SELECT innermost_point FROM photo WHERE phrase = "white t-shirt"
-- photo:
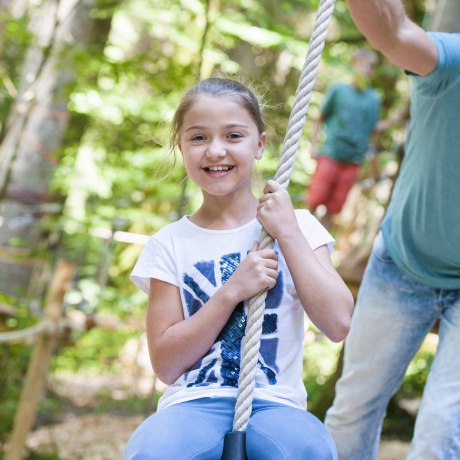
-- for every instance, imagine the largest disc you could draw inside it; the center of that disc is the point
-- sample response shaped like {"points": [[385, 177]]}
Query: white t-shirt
{"points": [[199, 261]]}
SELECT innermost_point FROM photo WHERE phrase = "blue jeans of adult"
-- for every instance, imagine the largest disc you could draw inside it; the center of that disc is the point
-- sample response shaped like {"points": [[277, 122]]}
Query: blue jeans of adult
{"points": [[393, 314], [196, 430]]}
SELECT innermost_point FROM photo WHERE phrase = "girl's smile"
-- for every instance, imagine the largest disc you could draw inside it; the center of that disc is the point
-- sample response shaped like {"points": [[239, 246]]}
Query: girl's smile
{"points": [[213, 170], [219, 142]]}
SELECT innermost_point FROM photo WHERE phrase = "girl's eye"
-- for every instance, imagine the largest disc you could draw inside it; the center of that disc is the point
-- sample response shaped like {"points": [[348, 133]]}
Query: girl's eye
{"points": [[235, 135], [198, 138]]}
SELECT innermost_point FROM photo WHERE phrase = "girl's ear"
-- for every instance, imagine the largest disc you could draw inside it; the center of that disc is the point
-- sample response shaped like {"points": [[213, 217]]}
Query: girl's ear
{"points": [[179, 146], [261, 145]]}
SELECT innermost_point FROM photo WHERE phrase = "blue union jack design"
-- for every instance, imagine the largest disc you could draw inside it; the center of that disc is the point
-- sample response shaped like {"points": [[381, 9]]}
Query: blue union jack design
{"points": [[222, 362]]}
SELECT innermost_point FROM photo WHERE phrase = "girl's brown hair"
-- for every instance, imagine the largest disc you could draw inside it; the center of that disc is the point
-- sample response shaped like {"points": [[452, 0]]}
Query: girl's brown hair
{"points": [[217, 87]]}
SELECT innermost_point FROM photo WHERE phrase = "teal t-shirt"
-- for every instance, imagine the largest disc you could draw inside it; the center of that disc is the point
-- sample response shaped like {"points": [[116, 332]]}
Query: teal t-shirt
{"points": [[350, 116], [422, 225]]}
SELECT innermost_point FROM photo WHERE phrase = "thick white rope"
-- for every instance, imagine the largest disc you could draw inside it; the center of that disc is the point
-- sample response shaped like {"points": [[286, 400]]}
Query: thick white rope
{"points": [[250, 354]]}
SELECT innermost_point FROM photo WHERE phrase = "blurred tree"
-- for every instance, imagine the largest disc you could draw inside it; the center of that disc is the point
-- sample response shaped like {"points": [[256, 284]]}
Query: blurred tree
{"points": [[14, 40], [35, 130]]}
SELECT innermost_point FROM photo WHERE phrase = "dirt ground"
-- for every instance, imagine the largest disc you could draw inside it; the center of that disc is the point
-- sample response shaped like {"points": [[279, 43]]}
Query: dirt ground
{"points": [[102, 436]]}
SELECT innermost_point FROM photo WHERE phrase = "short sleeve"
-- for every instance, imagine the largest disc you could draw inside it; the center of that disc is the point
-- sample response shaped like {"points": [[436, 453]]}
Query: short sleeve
{"points": [[448, 67], [156, 261], [313, 231]]}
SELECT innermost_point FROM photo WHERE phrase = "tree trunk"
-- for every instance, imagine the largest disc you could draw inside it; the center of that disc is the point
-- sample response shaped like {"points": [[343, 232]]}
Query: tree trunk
{"points": [[35, 131]]}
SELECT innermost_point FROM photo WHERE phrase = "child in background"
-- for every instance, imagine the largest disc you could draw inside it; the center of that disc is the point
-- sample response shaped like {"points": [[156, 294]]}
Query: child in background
{"points": [[349, 116], [199, 273]]}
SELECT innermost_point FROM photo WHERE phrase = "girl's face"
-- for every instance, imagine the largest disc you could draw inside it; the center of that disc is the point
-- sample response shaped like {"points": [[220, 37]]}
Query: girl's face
{"points": [[219, 142]]}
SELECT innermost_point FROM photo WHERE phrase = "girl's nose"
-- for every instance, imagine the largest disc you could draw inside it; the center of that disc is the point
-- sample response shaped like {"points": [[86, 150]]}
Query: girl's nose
{"points": [[215, 151]]}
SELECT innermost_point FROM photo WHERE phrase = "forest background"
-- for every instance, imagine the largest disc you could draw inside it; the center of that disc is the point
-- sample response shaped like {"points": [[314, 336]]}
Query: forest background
{"points": [[87, 91]]}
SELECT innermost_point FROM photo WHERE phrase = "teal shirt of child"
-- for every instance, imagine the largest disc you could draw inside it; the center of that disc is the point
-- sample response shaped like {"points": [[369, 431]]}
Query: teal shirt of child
{"points": [[421, 228], [350, 116]]}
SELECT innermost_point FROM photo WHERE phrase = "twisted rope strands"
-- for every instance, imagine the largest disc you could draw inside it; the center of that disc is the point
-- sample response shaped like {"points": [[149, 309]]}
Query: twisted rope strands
{"points": [[246, 383]]}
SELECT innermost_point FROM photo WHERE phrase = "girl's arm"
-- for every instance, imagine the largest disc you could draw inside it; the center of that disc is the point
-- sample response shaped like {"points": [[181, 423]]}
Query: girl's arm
{"points": [[324, 295], [385, 24], [176, 344]]}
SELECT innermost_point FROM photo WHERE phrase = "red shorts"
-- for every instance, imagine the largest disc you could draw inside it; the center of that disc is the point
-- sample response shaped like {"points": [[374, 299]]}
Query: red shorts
{"points": [[330, 184]]}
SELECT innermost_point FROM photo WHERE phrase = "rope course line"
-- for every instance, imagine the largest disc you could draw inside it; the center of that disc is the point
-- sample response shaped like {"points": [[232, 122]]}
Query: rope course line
{"points": [[46, 326], [246, 383]]}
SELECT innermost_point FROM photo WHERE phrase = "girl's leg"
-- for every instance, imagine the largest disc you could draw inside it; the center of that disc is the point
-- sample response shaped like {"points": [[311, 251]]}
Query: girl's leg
{"points": [[392, 316], [279, 432], [185, 431]]}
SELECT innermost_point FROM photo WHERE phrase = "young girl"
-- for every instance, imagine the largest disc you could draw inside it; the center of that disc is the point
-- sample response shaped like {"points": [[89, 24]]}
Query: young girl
{"points": [[199, 273]]}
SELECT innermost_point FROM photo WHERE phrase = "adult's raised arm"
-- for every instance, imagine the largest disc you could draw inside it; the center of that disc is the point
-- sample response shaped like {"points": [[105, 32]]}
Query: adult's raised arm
{"points": [[388, 29]]}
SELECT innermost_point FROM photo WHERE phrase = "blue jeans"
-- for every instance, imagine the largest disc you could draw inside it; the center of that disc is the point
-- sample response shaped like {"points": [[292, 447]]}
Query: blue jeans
{"points": [[196, 430], [393, 315]]}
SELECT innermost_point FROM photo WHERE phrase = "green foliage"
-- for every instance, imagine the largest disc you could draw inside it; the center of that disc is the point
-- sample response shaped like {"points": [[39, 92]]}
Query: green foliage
{"points": [[94, 352], [320, 362], [416, 374], [42, 456], [16, 37], [13, 362], [399, 423]]}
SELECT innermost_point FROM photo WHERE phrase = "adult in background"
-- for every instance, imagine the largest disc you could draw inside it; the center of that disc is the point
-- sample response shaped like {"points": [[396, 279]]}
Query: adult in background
{"points": [[348, 116], [413, 275]]}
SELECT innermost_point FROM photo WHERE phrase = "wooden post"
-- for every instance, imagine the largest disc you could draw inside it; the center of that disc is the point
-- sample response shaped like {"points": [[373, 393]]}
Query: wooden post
{"points": [[35, 380]]}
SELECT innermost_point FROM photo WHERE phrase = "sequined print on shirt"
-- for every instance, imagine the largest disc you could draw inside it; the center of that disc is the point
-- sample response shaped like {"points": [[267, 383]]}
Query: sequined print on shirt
{"points": [[222, 362]]}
